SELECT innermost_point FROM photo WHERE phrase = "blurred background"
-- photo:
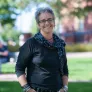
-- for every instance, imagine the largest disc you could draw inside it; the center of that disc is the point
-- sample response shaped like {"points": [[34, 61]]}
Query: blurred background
{"points": [[73, 24]]}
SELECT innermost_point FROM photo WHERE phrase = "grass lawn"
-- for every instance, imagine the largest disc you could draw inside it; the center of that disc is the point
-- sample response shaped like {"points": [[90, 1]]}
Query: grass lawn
{"points": [[73, 87], [80, 87], [80, 68], [10, 87], [8, 68]]}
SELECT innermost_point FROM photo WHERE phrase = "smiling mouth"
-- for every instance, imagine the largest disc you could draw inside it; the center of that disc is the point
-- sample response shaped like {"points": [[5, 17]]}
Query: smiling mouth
{"points": [[47, 27]]}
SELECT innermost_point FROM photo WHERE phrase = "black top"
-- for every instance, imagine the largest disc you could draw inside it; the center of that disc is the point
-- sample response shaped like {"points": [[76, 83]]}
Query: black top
{"points": [[43, 65]]}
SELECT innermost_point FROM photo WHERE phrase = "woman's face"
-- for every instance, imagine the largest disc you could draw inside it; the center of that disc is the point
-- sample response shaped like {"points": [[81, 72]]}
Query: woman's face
{"points": [[46, 22]]}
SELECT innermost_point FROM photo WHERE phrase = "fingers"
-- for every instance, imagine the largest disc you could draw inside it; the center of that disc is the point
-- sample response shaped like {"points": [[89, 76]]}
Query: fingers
{"points": [[31, 90], [61, 90]]}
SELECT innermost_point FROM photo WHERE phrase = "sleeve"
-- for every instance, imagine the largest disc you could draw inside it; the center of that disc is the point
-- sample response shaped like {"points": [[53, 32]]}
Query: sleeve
{"points": [[5, 48], [25, 52], [65, 66]]}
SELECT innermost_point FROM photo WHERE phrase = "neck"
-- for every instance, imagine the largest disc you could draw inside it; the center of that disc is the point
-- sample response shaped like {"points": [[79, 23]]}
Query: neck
{"points": [[48, 36]]}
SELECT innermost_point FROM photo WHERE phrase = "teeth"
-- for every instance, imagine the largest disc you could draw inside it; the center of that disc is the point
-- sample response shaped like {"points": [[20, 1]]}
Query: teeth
{"points": [[47, 27]]}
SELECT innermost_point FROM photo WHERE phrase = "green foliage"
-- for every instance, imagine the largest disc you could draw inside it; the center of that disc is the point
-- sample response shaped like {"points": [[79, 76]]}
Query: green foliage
{"points": [[10, 8], [58, 5], [13, 48], [7, 12], [79, 47], [8, 32]]}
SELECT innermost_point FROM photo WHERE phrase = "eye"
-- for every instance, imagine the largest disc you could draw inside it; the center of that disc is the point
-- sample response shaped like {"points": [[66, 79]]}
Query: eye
{"points": [[43, 21], [48, 20]]}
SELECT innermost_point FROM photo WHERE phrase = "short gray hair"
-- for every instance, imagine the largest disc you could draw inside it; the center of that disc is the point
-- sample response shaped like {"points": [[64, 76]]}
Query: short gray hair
{"points": [[42, 10]]}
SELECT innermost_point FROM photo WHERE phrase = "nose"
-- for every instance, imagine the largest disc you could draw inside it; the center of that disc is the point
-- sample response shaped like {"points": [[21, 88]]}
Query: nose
{"points": [[46, 22]]}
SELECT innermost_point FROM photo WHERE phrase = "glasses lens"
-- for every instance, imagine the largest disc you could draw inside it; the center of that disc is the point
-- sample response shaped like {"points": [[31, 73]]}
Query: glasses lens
{"points": [[48, 20]]}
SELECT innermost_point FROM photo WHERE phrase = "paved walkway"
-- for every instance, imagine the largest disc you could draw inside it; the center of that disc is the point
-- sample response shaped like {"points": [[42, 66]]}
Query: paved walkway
{"points": [[12, 77], [8, 77], [79, 54]]}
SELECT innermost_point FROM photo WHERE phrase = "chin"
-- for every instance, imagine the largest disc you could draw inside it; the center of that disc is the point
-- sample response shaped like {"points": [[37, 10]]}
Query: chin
{"points": [[48, 32]]}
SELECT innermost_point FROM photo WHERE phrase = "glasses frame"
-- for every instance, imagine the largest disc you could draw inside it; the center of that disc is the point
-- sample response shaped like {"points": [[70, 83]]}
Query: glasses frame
{"points": [[49, 20]]}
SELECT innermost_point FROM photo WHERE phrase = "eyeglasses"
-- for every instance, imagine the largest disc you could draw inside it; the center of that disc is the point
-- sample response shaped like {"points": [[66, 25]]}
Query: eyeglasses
{"points": [[50, 20]]}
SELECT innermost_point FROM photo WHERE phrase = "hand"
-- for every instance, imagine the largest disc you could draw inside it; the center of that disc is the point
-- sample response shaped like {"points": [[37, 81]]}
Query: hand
{"points": [[31, 90], [61, 90]]}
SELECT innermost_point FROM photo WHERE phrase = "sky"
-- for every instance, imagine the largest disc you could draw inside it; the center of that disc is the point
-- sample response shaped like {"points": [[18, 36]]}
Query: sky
{"points": [[24, 21]]}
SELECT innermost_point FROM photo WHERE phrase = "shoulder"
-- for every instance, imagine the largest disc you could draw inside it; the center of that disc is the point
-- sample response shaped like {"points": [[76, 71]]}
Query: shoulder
{"points": [[63, 42], [31, 41], [59, 40]]}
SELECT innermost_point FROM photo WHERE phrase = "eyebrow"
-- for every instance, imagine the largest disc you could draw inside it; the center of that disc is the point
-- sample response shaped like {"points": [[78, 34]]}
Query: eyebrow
{"points": [[47, 19]]}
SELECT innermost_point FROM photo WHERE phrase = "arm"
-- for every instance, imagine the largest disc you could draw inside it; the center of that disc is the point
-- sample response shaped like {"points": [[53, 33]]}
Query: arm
{"points": [[22, 80], [65, 84], [65, 76], [5, 53], [65, 80], [22, 62], [65, 70]]}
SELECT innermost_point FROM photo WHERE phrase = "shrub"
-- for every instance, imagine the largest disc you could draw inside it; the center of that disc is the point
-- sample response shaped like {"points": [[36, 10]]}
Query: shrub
{"points": [[79, 47], [13, 48]]}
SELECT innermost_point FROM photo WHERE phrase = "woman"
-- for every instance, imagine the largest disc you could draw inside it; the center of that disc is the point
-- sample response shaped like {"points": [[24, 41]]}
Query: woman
{"points": [[43, 58]]}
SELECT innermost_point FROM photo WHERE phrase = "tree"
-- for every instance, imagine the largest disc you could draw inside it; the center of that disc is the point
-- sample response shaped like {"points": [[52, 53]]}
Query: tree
{"points": [[77, 8], [7, 12], [10, 8], [10, 33]]}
